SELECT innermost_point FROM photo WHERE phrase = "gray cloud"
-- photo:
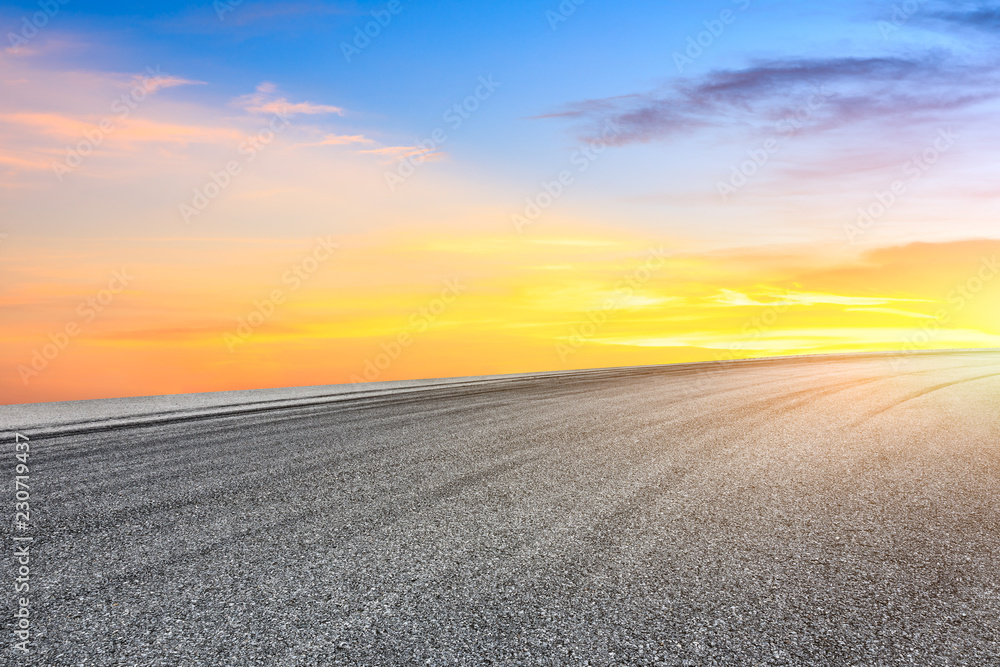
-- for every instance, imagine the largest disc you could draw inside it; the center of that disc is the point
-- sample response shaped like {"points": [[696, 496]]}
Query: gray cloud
{"points": [[982, 16], [852, 90]]}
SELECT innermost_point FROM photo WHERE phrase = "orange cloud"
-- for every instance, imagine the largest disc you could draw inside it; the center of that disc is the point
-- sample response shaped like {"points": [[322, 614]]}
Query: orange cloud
{"points": [[52, 124], [396, 153], [156, 82], [340, 140], [25, 161], [264, 101], [127, 130]]}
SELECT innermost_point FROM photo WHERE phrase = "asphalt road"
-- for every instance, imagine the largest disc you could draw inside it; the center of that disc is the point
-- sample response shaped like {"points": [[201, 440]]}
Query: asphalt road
{"points": [[825, 510]]}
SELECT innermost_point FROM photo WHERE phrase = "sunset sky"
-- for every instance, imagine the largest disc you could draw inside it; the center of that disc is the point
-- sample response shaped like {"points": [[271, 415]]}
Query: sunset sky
{"points": [[201, 197]]}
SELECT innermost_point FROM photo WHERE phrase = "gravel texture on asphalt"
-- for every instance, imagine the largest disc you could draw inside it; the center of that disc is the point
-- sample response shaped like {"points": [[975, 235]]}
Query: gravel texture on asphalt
{"points": [[835, 510]]}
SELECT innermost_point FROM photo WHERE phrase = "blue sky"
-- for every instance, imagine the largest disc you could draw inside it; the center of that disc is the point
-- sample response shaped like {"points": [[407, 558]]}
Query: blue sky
{"points": [[830, 147], [433, 52], [611, 56]]}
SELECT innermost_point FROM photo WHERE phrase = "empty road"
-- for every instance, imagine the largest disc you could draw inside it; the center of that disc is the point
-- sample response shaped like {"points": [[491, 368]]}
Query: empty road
{"points": [[835, 510]]}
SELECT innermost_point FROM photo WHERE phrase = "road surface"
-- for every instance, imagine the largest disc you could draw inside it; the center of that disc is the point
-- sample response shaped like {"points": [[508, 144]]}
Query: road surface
{"points": [[833, 510]]}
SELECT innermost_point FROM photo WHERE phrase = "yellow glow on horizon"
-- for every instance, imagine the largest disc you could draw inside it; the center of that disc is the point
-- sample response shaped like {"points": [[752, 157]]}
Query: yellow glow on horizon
{"points": [[440, 314]]}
